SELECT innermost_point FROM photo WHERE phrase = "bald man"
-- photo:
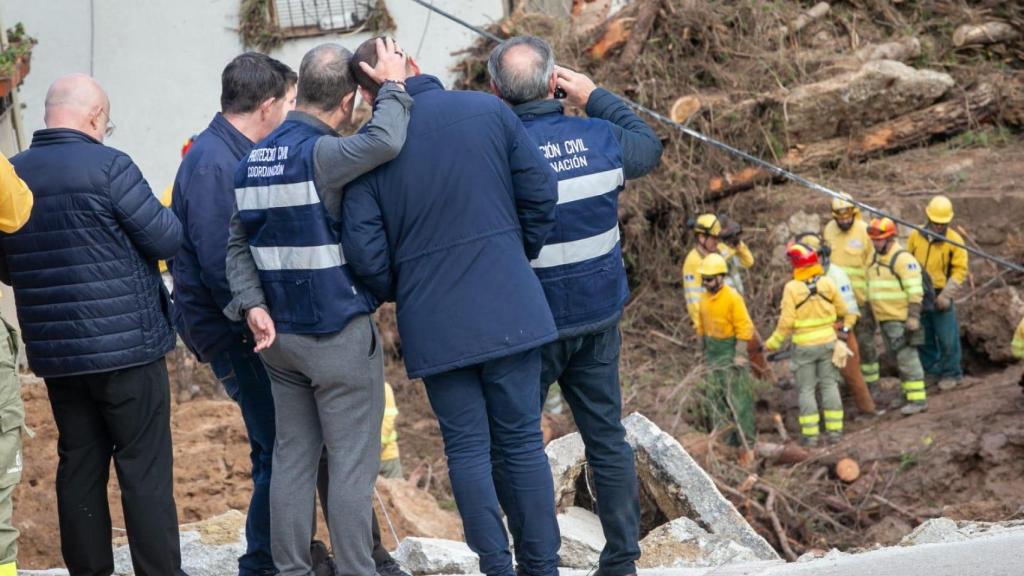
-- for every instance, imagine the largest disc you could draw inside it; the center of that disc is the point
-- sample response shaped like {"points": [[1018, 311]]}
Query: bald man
{"points": [[94, 316]]}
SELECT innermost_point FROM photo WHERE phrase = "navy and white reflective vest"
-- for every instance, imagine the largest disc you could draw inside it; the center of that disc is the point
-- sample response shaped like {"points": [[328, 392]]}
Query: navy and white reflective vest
{"points": [[581, 265], [294, 241]]}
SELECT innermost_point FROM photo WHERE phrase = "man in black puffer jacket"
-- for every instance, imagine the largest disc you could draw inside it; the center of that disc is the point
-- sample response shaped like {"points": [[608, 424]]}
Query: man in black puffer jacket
{"points": [[95, 319]]}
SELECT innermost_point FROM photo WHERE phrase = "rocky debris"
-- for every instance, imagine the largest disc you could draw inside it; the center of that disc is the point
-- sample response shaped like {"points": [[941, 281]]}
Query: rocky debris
{"points": [[880, 90], [412, 512], [888, 531], [683, 544], [946, 531], [675, 483], [582, 538], [425, 556], [987, 33], [208, 548], [990, 322]]}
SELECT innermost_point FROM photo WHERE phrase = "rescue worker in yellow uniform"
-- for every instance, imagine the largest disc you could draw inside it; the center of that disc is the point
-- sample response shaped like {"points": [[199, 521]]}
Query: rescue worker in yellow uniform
{"points": [[706, 228], [15, 208], [895, 292], [390, 464], [811, 305], [1017, 345], [852, 251], [946, 265], [725, 328], [850, 372]]}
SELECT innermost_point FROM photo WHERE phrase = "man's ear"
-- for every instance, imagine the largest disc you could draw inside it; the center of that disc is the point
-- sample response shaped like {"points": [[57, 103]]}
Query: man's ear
{"points": [[494, 89], [366, 96], [347, 104], [552, 84], [265, 106]]}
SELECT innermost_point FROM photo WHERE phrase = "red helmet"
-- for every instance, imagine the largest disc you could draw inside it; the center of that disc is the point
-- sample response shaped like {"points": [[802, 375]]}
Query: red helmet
{"points": [[800, 255], [881, 228]]}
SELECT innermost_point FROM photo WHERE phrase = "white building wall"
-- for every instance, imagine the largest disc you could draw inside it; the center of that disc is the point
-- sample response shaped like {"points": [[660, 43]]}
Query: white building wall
{"points": [[160, 60]]}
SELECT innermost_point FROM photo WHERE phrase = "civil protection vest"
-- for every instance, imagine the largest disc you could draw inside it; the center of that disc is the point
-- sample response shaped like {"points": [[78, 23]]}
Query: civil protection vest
{"points": [[294, 241], [580, 266]]}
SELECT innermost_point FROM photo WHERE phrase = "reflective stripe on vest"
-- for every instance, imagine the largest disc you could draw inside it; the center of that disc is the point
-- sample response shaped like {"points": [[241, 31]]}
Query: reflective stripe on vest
{"points": [[297, 257], [577, 250]]}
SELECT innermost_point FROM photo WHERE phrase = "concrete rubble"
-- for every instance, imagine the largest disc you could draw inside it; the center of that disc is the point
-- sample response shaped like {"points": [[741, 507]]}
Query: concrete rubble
{"points": [[425, 556], [582, 538], [678, 486], [683, 544]]}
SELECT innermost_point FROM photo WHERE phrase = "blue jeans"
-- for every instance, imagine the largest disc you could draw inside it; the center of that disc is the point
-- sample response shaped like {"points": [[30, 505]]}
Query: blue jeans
{"points": [[940, 354], [587, 370], [496, 406], [245, 380]]}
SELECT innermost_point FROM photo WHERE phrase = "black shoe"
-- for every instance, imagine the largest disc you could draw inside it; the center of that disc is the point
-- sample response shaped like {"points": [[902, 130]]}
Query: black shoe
{"points": [[391, 568], [323, 564]]}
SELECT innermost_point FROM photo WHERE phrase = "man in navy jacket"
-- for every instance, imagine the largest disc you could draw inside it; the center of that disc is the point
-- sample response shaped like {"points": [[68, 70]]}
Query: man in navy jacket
{"points": [[256, 93], [94, 315], [581, 267], [447, 230]]}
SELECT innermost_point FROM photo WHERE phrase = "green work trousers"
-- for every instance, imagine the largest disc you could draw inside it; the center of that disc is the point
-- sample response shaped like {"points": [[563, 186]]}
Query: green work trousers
{"points": [[899, 343], [728, 394], [814, 371], [12, 420], [864, 331]]}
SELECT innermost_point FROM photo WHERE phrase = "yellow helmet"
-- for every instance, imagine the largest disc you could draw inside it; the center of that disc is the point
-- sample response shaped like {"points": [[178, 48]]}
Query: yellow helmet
{"points": [[842, 205], [713, 265], [708, 224], [940, 210]]}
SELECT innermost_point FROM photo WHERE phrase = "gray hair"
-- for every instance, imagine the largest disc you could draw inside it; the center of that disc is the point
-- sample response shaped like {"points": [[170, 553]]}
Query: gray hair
{"points": [[520, 84], [324, 77]]}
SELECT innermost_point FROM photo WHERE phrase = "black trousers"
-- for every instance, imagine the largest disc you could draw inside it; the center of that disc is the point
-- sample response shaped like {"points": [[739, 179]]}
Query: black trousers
{"points": [[124, 414]]}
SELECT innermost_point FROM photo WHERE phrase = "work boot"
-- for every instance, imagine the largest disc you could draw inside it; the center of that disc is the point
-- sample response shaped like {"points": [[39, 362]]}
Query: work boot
{"points": [[391, 568], [897, 402], [323, 564], [914, 407], [930, 380], [809, 441], [833, 438], [947, 384]]}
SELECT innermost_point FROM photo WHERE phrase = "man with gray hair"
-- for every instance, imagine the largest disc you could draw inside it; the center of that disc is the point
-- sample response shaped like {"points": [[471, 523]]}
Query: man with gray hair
{"points": [[309, 316], [581, 269]]}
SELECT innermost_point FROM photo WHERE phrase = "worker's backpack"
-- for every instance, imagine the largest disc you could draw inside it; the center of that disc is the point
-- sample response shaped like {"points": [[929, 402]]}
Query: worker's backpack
{"points": [[812, 291], [928, 303]]}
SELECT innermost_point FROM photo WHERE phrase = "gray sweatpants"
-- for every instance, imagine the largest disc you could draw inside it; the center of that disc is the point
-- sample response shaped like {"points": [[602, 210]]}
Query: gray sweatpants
{"points": [[328, 390]]}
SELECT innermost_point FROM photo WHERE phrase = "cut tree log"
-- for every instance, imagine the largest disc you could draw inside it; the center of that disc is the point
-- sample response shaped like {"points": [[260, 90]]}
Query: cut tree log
{"points": [[1004, 98], [988, 33], [847, 470], [805, 18], [648, 12], [614, 33]]}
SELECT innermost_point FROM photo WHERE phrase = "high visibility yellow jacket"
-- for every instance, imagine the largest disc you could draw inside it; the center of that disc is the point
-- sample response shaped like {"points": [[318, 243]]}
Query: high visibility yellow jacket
{"points": [[388, 432], [1018, 342], [692, 286], [852, 251], [736, 258], [165, 200], [15, 198], [809, 317], [940, 259], [891, 291], [724, 315]]}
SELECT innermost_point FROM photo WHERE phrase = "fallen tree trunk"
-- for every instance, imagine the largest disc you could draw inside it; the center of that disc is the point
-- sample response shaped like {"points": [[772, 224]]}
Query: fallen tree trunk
{"points": [[987, 33], [614, 32], [980, 105], [805, 18], [648, 12]]}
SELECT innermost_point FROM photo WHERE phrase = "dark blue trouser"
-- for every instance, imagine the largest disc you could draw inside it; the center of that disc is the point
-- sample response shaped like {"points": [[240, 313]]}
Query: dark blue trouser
{"points": [[245, 380], [940, 354], [496, 406], [587, 370]]}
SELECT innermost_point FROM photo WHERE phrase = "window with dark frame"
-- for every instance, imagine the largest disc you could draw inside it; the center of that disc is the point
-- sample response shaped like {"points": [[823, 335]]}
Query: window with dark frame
{"points": [[298, 18]]}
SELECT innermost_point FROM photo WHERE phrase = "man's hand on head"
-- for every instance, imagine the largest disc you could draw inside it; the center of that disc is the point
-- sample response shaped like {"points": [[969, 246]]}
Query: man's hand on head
{"points": [[578, 87], [390, 62]]}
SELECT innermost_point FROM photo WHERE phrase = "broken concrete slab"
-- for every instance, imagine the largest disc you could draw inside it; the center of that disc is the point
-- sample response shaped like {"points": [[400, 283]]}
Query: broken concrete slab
{"points": [[879, 90], [673, 481], [582, 538], [681, 543], [426, 556], [208, 548]]}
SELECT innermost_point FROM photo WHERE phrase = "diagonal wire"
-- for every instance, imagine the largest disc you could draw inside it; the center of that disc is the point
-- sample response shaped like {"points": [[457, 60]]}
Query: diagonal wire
{"points": [[776, 170]]}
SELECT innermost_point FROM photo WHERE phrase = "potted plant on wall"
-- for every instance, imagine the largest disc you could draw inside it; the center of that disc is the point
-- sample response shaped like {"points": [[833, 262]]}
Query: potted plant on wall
{"points": [[15, 60]]}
